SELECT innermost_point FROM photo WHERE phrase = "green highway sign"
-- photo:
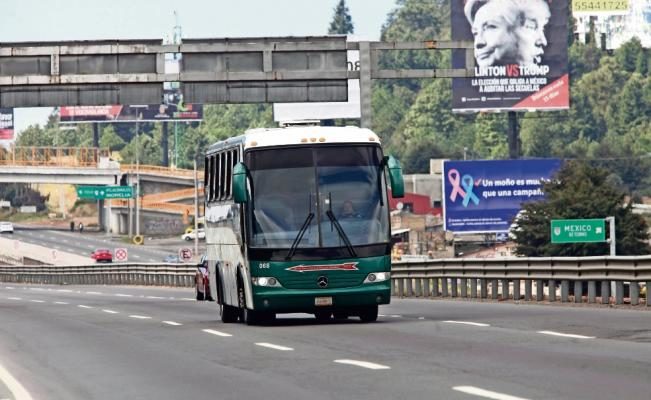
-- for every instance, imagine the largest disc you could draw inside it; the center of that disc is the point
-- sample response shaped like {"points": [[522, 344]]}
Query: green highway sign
{"points": [[104, 192], [578, 230]]}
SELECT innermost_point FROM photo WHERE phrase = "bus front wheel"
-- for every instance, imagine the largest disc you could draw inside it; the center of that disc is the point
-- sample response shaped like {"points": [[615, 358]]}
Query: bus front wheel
{"points": [[369, 314]]}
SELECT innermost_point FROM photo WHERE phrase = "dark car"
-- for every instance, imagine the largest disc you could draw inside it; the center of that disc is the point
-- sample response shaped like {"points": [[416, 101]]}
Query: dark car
{"points": [[102, 255]]}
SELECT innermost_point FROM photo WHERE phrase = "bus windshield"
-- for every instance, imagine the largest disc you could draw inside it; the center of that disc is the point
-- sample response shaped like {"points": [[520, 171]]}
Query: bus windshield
{"points": [[321, 196]]}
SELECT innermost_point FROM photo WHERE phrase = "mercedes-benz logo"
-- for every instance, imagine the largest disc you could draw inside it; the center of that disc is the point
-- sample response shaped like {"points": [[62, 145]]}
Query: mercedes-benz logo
{"points": [[322, 281]]}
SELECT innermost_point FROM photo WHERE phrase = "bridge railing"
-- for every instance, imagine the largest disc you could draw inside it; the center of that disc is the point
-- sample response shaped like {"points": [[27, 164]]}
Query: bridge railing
{"points": [[158, 170], [181, 275], [582, 279], [53, 156]]}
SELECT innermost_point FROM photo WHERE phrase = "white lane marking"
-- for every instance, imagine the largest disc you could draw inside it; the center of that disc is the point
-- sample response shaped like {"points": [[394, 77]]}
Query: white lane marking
{"points": [[156, 297], [14, 298], [152, 260], [61, 302], [274, 346], [37, 301], [124, 295], [37, 289], [421, 317], [485, 393], [90, 246], [466, 323], [41, 236], [110, 312], [64, 240], [187, 299], [19, 392], [567, 335], [218, 333], [9, 287], [136, 256], [172, 323], [64, 290], [83, 306], [363, 364], [69, 250], [93, 293], [139, 316]]}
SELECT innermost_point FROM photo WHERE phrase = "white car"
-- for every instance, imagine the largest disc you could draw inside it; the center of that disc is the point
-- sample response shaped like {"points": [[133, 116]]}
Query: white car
{"points": [[6, 227], [191, 235]]}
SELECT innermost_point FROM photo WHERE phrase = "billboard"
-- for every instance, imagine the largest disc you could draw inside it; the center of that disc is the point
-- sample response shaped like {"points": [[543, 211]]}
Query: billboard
{"points": [[118, 113], [6, 123], [599, 7], [520, 55], [485, 196]]}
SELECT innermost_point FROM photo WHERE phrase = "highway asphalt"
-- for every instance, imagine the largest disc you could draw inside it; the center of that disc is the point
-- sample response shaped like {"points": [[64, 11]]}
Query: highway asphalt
{"points": [[154, 250], [107, 342]]}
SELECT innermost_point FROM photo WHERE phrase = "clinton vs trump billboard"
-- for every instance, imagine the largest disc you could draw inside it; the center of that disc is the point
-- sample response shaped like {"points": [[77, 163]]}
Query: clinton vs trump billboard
{"points": [[520, 55], [485, 196]]}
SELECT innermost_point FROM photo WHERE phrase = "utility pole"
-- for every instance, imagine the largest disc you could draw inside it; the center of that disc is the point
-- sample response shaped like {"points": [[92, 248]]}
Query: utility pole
{"points": [[137, 197], [196, 209]]}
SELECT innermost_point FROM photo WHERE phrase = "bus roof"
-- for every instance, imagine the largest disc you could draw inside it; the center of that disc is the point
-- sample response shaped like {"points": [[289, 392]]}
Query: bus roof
{"points": [[296, 135]]}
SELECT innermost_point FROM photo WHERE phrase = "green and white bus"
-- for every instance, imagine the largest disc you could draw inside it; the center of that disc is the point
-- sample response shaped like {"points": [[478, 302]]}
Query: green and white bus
{"points": [[297, 220]]}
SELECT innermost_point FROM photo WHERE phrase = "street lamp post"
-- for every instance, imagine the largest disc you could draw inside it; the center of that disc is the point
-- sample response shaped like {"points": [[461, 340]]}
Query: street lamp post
{"points": [[137, 197]]}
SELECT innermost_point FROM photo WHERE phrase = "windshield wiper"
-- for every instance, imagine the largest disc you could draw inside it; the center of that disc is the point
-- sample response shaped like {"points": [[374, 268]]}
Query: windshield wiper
{"points": [[341, 232], [298, 238]]}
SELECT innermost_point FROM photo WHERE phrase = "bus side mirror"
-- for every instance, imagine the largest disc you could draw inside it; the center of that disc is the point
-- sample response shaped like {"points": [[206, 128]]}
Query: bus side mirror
{"points": [[240, 192], [395, 177]]}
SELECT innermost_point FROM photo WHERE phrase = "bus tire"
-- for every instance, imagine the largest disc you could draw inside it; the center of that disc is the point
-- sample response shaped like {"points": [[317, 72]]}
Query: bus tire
{"points": [[229, 314], [369, 314]]}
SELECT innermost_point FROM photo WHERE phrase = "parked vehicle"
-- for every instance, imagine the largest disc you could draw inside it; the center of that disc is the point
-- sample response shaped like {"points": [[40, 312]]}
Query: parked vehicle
{"points": [[102, 255], [191, 235], [6, 227], [202, 282]]}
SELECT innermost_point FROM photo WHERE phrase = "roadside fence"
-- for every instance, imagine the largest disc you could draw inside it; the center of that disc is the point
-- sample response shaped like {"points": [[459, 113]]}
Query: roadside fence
{"points": [[568, 279]]}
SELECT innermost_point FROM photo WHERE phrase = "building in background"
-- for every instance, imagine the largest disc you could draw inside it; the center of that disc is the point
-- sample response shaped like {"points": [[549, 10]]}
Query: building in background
{"points": [[616, 26]]}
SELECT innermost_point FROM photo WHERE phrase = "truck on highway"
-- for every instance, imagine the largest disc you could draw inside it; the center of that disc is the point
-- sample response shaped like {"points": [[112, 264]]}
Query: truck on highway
{"points": [[297, 220]]}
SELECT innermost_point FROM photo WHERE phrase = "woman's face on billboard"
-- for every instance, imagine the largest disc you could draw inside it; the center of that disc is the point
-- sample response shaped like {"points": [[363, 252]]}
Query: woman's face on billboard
{"points": [[495, 41]]}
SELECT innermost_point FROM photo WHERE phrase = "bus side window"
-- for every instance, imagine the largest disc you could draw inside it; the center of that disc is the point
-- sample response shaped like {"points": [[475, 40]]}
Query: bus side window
{"points": [[213, 177], [222, 176], [229, 169], [206, 178]]}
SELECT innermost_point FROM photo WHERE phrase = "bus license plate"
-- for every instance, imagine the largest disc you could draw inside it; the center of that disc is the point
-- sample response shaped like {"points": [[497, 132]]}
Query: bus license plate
{"points": [[323, 301]]}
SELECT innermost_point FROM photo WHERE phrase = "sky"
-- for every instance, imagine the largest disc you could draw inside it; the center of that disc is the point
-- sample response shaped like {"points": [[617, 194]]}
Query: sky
{"points": [[55, 20]]}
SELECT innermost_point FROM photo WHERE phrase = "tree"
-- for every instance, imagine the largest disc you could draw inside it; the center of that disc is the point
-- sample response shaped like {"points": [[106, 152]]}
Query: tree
{"points": [[578, 191], [342, 22], [109, 139]]}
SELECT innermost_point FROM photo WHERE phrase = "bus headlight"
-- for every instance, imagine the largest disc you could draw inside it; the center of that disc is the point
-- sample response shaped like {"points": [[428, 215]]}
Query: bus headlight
{"points": [[375, 277], [265, 281]]}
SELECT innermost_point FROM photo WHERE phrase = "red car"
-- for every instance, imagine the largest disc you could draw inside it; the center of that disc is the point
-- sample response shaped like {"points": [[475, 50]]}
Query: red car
{"points": [[102, 255]]}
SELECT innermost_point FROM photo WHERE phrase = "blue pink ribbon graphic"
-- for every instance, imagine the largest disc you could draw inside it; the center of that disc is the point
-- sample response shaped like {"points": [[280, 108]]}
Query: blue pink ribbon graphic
{"points": [[467, 183]]}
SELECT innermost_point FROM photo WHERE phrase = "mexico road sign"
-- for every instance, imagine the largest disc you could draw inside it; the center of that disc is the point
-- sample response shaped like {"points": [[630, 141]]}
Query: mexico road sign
{"points": [[578, 230], [104, 192]]}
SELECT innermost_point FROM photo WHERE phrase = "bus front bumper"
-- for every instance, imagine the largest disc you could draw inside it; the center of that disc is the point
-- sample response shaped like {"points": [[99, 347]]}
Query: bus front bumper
{"points": [[281, 300]]}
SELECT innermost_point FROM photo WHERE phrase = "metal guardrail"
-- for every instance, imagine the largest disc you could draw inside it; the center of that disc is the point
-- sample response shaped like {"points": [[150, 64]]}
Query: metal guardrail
{"points": [[501, 279], [509, 277], [181, 275]]}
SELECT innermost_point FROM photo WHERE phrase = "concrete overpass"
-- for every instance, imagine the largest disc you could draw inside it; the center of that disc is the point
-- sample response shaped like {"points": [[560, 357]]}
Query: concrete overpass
{"points": [[64, 165]]}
